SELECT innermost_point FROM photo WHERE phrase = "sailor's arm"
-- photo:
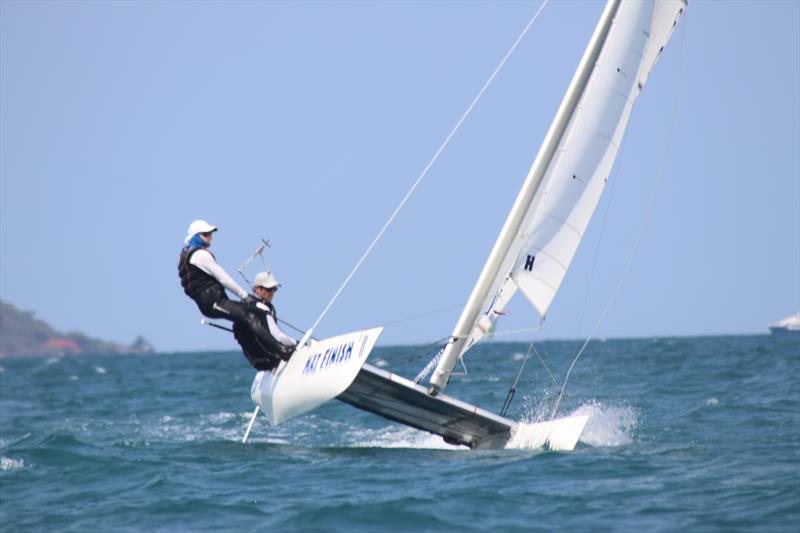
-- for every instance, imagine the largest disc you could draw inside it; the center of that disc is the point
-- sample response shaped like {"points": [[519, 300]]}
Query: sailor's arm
{"points": [[279, 335], [205, 262]]}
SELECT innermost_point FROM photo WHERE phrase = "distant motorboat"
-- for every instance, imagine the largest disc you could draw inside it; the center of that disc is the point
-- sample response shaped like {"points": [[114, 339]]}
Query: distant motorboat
{"points": [[787, 326]]}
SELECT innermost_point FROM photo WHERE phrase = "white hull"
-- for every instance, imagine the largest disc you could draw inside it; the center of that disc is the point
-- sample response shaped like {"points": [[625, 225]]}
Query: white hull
{"points": [[401, 400], [335, 368], [315, 374]]}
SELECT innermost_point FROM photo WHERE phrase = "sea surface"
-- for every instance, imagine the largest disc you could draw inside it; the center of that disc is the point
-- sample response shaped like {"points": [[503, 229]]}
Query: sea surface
{"points": [[685, 434]]}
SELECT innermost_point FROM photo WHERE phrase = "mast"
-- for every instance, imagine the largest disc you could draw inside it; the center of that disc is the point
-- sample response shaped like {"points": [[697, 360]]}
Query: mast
{"points": [[469, 315]]}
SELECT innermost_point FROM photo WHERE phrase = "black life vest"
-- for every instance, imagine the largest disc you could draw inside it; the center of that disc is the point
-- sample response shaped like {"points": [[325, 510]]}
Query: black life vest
{"points": [[194, 280], [271, 309], [262, 353]]}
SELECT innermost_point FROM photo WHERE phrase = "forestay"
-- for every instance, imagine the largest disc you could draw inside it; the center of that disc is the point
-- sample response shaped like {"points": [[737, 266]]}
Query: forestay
{"points": [[564, 185]]}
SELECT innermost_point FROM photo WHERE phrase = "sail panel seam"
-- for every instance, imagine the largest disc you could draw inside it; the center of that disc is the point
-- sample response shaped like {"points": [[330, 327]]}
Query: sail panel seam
{"points": [[565, 223]]}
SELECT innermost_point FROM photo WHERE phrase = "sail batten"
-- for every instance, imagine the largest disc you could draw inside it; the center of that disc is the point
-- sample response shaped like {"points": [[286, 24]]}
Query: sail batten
{"points": [[565, 183]]}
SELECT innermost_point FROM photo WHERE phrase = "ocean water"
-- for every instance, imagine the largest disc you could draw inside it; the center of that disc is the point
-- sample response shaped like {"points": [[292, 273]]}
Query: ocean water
{"points": [[696, 434]]}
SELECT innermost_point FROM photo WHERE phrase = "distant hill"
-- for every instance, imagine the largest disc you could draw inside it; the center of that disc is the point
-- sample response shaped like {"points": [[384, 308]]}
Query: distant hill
{"points": [[21, 334]]}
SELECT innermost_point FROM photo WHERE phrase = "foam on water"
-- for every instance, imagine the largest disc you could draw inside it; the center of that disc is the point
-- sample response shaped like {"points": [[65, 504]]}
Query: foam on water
{"points": [[607, 426], [6, 463], [399, 437], [220, 418], [133, 431], [208, 427]]}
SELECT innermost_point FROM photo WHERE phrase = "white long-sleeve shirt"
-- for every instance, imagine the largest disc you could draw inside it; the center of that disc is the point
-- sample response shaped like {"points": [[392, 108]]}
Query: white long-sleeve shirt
{"points": [[279, 335], [276, 331], [203, 260]]}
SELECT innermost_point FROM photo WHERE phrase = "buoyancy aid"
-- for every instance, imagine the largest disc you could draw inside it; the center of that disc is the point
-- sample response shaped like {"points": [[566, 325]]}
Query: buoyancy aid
{"points": [[194, 280], [270, 308], [263, 353]]}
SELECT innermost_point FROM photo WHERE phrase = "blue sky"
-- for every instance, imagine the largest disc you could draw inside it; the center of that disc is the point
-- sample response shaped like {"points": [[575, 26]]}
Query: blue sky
{"points": [[305, 123]]}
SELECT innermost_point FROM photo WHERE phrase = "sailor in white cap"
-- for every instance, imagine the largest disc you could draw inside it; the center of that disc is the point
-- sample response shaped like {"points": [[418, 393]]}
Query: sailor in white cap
{"points": [[204, 281], [265, 354], [265, 286]]}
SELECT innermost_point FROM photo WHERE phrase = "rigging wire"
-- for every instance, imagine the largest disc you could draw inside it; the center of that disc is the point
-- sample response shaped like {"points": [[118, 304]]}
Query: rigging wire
{"points": [[428, 166], [599, 241], [422, 315], [513, 389], [433, 362], [420, 351], [292, 326], [541, 360], [647, 218]]}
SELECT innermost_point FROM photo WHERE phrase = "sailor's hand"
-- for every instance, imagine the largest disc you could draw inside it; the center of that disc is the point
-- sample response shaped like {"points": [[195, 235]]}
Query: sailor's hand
{"points": [[286, 353]]}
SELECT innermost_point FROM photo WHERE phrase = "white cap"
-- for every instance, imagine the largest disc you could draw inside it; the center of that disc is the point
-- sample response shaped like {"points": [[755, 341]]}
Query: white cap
{"points": [[198, 226], [266, 280]]}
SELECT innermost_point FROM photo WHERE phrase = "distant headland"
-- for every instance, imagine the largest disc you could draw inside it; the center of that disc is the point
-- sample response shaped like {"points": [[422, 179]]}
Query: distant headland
{"points": [[23, 335]]}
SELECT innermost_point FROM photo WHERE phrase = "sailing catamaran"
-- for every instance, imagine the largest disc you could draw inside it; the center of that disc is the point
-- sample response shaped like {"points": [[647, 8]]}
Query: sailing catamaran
{"points": [[531, 254]]}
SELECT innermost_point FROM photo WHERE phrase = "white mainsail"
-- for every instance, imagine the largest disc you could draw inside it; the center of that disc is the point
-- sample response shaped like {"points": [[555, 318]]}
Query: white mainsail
{"points": [[562, 189]]}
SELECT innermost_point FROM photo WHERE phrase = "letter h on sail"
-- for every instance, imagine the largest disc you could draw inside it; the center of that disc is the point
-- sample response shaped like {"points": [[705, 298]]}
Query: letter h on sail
{"points": [[529, 262]]}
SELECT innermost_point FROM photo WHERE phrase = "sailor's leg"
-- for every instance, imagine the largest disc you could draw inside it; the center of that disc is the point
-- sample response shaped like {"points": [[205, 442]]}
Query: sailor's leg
{"points": [[254, 351], [235, 311], [239, 312], [209, 303]]}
